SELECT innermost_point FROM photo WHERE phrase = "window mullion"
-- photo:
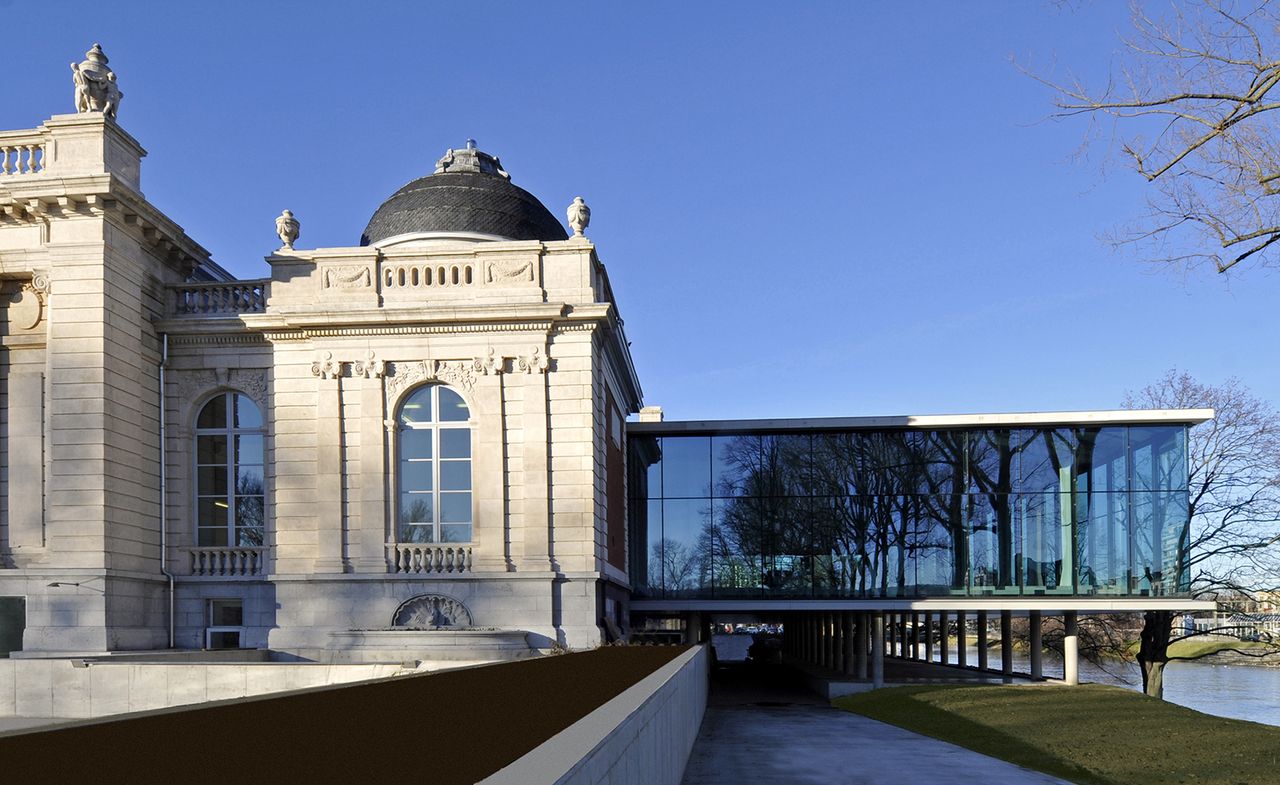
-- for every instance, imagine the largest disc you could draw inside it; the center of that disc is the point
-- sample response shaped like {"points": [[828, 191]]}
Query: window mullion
{"points": [[231, 471]]}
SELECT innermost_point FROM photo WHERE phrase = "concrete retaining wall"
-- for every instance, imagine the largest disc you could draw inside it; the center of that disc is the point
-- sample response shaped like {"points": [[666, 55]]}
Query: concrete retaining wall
{"points": [[641, 737], [76, 689]]}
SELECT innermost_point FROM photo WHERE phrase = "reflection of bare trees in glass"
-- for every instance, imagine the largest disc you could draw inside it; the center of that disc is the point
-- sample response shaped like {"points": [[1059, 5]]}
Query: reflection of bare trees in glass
{"points": [[250, 511], [676, 563]]}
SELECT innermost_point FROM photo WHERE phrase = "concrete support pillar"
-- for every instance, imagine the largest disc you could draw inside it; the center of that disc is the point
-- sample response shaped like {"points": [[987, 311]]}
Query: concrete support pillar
{"points": [[943, 642], [890, 629], [1006, 645], [815, 639], [962, 653], [982, 640], [1037, 666], [1071, 649], [877, 649], [903, 646], [833, 621], [928, 637], [861, 643], [849, 651], [915, 636]]}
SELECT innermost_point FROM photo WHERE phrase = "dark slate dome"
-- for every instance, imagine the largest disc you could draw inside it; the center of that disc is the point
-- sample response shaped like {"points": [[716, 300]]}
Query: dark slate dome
{"points": [[469, 192]]}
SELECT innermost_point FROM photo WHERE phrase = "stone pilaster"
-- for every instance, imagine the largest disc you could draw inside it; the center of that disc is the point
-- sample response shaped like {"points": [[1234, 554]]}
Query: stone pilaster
{"points": [[489, 532], [537, 467], [329, 524], [372, 556]]}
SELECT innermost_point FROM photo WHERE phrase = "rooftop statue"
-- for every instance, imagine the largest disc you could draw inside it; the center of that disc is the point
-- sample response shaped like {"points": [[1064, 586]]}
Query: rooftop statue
{"points": [[579, 216], [287, 228], [96, 88]]}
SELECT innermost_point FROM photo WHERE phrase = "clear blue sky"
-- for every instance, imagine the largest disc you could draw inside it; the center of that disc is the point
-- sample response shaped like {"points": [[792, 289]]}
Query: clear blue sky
{"points": [[806, 210]]}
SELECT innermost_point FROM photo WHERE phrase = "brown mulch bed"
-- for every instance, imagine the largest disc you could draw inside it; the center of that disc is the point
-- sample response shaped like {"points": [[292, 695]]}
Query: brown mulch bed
{"points": [[453, 727]]}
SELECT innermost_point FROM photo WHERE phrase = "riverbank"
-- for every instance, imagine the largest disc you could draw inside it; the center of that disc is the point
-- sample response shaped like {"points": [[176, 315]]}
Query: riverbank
{"points": [[1092, 734]]}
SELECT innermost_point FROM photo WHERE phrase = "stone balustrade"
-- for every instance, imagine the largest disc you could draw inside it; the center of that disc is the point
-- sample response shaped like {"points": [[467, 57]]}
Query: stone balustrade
{"points": [[23, 153], [427, 275], [417, 558], [227, 561], [220, 298]]}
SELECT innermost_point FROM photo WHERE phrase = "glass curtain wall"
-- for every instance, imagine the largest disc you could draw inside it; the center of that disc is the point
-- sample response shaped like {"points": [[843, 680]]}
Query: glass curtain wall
{"points": [[910, 513]]}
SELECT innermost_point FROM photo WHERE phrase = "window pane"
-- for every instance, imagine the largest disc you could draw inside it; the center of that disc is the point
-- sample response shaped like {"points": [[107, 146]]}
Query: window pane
{"points": [[733, 459], [249, 480], [417, 532], [455, 475], [416, 508], [212, 537], [455, 507], [686, 565], [224, 640], [249, 513], [249, 449], [211, 511], [455, 532], [415, 444], [212, 481], [452, 407], [418, 406], [1159, 458], [415, 476], [247, 414], [686, 466], [211, 450], [455, 442], [214, 413]]}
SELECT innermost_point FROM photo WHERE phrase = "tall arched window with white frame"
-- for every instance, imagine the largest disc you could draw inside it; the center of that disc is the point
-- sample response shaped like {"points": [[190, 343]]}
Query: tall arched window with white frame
{"points": [[434, 467], [230, 491]]}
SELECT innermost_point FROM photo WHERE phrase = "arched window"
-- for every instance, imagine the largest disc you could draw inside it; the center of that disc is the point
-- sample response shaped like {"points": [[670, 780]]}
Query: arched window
{"points": [[434, 480], [229, 479]]}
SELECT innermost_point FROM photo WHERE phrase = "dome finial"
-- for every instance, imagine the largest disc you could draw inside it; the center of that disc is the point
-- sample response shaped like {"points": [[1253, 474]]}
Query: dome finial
{"points": [[471, 144]]}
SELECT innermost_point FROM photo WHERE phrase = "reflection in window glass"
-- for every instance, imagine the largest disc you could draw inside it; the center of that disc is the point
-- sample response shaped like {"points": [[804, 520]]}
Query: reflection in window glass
{"points": [[434, 467], [686, 467], [230, 513]]}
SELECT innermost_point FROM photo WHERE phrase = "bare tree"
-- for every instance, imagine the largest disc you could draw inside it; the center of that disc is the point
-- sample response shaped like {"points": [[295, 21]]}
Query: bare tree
{"points": [[1191, 107], [1234, 505]]}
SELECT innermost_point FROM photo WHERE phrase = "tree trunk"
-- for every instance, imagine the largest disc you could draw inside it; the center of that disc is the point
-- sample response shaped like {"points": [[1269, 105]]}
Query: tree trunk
{"points": [[1153, 650]]}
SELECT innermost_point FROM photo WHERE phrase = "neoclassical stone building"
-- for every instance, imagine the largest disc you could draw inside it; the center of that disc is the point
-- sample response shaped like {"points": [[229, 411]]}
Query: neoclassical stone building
{"points": [[424, 427]]}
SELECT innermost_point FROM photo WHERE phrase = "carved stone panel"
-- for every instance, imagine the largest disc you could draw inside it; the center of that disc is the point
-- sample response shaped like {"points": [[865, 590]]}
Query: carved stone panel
{"points": [[431, 610]]}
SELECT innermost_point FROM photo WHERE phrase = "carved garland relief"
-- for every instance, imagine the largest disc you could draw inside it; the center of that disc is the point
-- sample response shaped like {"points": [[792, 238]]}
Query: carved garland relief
{"points": [[193, 385], [348, 276]]}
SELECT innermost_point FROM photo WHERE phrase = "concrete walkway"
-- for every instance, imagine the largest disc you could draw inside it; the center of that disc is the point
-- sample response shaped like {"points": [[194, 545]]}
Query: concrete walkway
{"points": [[767, 729]]}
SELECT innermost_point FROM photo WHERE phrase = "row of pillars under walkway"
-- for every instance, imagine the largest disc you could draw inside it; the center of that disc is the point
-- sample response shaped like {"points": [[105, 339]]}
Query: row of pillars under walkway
{"points": [[855, 643]]}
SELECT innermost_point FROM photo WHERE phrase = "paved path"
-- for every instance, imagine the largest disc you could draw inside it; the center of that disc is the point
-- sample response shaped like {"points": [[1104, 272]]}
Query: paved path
{"points": [[770, 731]]}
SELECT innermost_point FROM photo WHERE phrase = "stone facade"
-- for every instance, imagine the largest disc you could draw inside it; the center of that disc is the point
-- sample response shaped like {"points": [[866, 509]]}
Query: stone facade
{"points": [[105, 297]]}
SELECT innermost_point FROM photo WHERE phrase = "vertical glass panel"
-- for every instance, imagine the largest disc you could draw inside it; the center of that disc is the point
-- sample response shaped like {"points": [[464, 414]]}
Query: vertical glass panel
{"points": [[417, 407], [938, 544], [214, 413], [737, 544], [416, 508], [1047, 456], [995, 545], [1047, 562], [415, 443], [686, 467], [832, 554], [644, 467], [249, 449], [653, 546], [211, 450], [455, 442], [417, 532], [1159, 542], [455, 475], [942, 455], [1102, 460], [249, 513], [992, 460], [837, 467], [686, 547], [1102, 542], [455, 507], [735, 461], [788, 546], [1159, 458], [452, 407], [246, 413], [859, 519]]}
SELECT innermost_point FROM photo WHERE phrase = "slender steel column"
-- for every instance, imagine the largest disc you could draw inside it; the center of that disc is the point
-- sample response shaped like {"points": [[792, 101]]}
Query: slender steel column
{"points": [[982, 640], [1037, 666], [1006, 646], [1071, 649], [915, 636], [928, 637], [849, 650], [861, 645], [962, 654]]}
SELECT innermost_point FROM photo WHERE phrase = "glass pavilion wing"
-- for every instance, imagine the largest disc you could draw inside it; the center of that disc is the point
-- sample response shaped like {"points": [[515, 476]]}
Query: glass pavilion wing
{"points": [[1079, 511]]}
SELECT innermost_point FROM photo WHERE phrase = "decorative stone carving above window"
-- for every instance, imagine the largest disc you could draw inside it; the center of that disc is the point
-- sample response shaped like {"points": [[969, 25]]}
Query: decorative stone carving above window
{"points": [[431, 610], [26, 306], [193, 385], [534, 361], [348, 276], [402, 375]]}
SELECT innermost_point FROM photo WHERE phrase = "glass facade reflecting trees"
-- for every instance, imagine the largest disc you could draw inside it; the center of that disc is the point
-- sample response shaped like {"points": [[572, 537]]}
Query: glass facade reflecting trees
{"points": [[910, 513]]}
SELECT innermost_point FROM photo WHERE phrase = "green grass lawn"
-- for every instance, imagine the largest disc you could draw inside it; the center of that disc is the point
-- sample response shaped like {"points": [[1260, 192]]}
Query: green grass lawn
{"points": [[1091, 734]]}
